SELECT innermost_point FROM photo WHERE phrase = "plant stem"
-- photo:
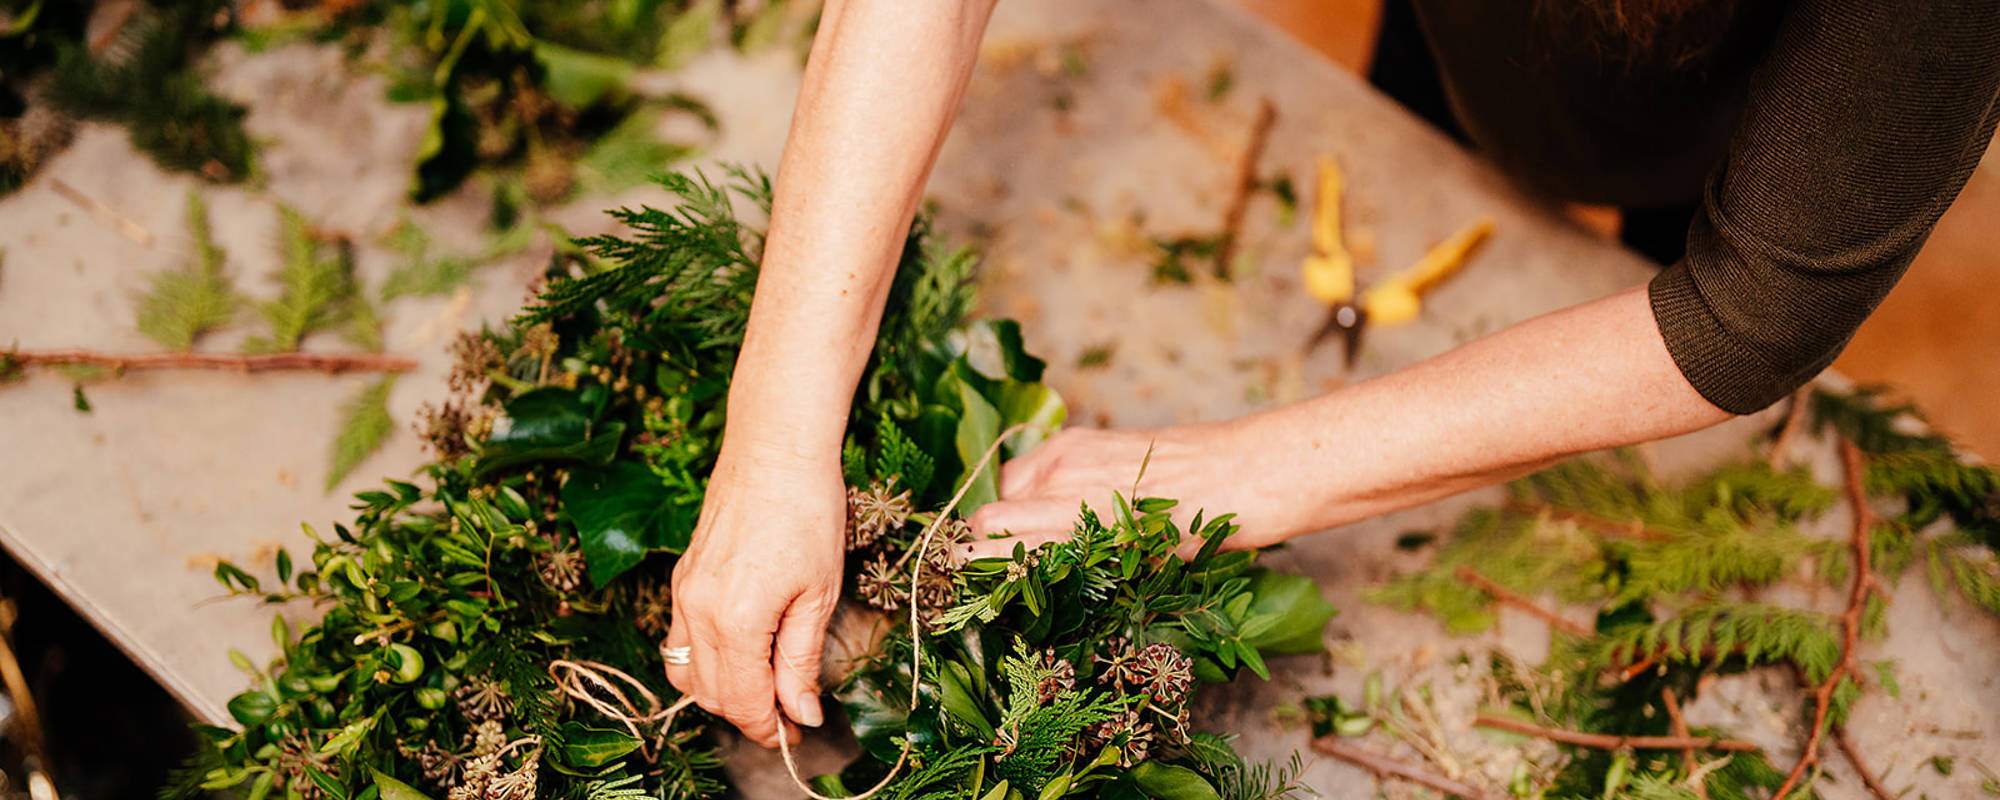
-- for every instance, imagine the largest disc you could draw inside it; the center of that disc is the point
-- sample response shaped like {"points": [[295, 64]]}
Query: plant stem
{"points": [[1795, 419], [1850, 620], [226, 362], [1505, 595], [1853, 756], [1385, 767], [1246, 184], [1626, 529], [1603, 741], [1680, 729]]}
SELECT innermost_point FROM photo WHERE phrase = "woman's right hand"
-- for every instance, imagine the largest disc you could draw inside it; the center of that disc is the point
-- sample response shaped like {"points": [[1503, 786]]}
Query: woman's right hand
{"points": [[763, 568]]}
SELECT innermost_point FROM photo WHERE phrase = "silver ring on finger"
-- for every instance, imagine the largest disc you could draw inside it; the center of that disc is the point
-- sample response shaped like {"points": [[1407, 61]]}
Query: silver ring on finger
{"points": [[677, 656]]}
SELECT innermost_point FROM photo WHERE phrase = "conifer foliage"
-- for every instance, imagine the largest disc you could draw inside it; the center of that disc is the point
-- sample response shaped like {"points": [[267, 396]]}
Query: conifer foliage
{"points": [[1669, 570]]}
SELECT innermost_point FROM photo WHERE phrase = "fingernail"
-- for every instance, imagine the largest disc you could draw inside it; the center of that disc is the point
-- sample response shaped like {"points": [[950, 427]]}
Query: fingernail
{"points": [[809, 713]]}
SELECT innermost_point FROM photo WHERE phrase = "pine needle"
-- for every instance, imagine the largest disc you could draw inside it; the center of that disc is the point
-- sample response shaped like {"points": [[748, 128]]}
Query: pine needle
{"points": [[365, 426], [182, 304]]}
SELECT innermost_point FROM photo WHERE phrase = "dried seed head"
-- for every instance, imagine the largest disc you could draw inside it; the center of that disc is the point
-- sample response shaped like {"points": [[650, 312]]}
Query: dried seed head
{"points": [[1058, 675], [653, 608], [880, 584], [1163, 673], [873, 512], [562, 570]]}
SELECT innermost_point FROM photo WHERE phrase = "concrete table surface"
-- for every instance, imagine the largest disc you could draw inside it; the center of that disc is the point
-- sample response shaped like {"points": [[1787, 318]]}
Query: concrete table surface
{"points": [[1087, 131]]}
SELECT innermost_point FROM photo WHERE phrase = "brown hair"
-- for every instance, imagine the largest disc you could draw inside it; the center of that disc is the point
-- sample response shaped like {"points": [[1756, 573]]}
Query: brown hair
{"points": [[1637, 33]]}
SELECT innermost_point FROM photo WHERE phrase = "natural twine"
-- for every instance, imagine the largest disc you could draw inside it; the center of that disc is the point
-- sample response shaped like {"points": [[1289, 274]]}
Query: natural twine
{"points": [[577, 678]]}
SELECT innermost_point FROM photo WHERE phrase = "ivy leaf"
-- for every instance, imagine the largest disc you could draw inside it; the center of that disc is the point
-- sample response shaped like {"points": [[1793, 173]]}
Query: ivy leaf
{"points": [[624, 511], [586, 747], [366, 425], [551, 424], [391, 789]]}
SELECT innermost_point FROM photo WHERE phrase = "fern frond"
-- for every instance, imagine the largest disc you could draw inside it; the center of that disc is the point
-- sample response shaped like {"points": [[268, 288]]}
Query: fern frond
{"points": [[181, 304], [316, 291], [1715, 632], [422, 273], [365, 425]]}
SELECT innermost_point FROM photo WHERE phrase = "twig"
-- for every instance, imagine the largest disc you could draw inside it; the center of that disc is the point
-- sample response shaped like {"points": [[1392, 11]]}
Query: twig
{"points": [[1680, 728], [227, 362], [1604, 741], [1850, 620], [1505, 595], [1628, 529], [1794, 420], [1385, 767], [1246, 184], [1861, 767], [102, 212], [110, 34]]}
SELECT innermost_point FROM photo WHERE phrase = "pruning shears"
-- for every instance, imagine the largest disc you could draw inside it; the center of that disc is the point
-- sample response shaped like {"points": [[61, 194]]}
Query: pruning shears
{"points": [[1329, 272]]}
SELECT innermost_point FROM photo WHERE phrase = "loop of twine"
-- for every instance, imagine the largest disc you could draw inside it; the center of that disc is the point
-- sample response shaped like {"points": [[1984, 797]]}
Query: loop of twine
{"points": [[578, 678], [916, 650]]}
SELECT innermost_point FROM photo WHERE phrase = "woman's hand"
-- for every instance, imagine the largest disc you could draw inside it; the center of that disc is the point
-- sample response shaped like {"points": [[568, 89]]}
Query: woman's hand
{"points": [[1219, 468], [764, 567]]}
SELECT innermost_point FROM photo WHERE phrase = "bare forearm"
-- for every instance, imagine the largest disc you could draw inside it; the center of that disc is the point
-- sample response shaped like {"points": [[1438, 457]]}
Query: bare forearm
{"points": [[1584, 378], [879, 94]]}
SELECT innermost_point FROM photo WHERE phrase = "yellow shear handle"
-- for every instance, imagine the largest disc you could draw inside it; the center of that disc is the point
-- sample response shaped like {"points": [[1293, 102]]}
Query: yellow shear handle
{"points": [[1399, 298], [1329, 271]]}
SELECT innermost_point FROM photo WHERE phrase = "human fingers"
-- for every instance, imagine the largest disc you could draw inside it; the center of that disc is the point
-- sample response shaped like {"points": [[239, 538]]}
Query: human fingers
{"points": [[679, 655], [795, 660], [734, 669]]}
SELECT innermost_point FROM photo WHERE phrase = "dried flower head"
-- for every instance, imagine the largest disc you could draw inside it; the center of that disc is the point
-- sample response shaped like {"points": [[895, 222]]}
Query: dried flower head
{"points": [[1118, 662], [1126, 731], [562, 570], [1058, 675], [653, 608], [437, 763], [447, 428], [880, 584], [295, 755], [874, 512], [482, 700], [1164, 673], [474, 356]]}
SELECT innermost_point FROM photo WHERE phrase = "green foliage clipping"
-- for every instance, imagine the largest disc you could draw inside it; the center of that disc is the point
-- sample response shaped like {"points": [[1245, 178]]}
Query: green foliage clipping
{"points": [[181, 304], [570, 466], [365, 425], [146, 80], [1664, 565]]}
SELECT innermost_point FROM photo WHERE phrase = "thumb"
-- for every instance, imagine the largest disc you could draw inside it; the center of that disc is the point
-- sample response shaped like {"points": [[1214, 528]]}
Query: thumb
{"points": [[795, 660]]}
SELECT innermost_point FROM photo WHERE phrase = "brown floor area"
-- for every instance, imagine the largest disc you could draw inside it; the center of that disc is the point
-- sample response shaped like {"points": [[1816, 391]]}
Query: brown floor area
{"points": [[1935, 339]]}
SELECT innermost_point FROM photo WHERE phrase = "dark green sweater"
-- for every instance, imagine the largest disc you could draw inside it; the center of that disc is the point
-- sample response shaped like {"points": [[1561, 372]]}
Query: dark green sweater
{"points": [[1819, 139]]}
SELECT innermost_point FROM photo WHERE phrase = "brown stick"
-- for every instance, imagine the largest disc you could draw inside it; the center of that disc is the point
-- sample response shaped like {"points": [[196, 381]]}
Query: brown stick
{"points": [[1850, 620], [1867, 776], [1603, 741], [102, 212], [1505, 595], [1629, 529], [228, 362], [1794, 420], [1385, 767], [1680, 728], [1246, 184]]}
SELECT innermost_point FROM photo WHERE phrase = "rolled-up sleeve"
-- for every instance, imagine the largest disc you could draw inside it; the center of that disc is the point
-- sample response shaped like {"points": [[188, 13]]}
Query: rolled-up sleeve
{"points": [[1862, 126]]}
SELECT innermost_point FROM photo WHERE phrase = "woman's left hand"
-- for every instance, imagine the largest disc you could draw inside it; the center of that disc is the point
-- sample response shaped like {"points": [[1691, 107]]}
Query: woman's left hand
{"points": [[1217, 468]]}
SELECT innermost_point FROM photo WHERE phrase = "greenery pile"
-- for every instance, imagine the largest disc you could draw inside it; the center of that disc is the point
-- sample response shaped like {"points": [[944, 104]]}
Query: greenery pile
{"points": [[477, 623], [548, 90], [1674, 574]]}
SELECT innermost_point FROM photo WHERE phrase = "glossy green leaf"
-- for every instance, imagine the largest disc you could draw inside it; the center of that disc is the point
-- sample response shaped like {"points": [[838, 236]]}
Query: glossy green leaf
{"points": [[392, 789], [587, 747], [252, 708], [579, 79], [623, 512], [1162, 781], [1301, 613]]}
